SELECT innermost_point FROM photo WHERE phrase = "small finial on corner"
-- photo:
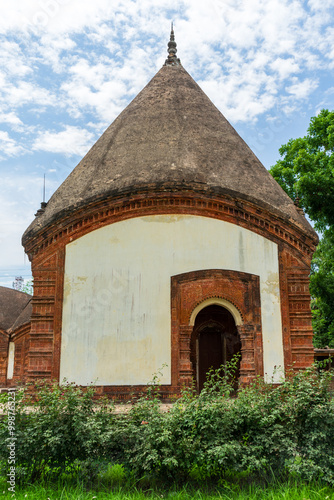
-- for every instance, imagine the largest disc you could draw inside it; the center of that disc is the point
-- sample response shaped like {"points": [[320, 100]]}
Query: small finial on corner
{"points": [[297, 204], [297, 201], [41, 210], [172, 60], [44, 190]]}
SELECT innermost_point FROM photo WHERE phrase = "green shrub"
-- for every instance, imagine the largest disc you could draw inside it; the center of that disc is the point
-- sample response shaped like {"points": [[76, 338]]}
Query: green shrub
{"points": [[265, 428], [56, 425], [114, 475], [65, 434]]}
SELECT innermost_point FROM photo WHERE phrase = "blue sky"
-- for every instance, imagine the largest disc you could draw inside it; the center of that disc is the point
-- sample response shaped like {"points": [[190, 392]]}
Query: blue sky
{"points": [[69, 67]]}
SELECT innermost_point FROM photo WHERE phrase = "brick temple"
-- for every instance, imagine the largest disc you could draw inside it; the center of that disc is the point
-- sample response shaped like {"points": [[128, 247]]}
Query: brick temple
{"points": [[169, 245]]}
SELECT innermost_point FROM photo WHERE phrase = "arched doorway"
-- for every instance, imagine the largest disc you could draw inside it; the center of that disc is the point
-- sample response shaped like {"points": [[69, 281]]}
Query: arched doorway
{"points": [[214, 341]]}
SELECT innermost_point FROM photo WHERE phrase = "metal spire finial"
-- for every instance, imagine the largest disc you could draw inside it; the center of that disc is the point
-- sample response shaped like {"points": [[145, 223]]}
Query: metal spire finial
{"points": [[41, 210], [44, 190], [172, 60]]}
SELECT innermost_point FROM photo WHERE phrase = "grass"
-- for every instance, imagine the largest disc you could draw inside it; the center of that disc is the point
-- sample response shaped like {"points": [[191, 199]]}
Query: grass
{"points": [[284, 491]]}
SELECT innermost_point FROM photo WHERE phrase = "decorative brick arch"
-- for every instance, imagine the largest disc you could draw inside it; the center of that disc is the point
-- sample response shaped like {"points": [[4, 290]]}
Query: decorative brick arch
{"points": [[236, 291], [219, 302]]}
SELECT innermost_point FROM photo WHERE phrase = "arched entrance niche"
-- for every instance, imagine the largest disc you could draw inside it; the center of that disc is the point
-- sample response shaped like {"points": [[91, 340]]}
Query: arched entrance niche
{"points": [[215, 339], [237, 294]]}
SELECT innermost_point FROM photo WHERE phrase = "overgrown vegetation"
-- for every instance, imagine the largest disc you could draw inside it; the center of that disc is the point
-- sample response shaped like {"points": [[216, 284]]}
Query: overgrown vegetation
{"points": [[65, 436]]}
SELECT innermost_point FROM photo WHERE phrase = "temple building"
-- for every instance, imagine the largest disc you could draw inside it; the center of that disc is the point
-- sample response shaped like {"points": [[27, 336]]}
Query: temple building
{"points": [[168, 248]]}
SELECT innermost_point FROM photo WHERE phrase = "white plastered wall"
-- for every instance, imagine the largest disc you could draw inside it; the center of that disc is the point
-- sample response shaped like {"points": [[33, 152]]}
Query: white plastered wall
{"points": [[116, 311]]}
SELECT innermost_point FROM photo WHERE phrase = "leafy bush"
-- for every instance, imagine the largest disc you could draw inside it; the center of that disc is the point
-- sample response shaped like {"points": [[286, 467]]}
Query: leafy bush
{"points": [[114, 475], [54, 426], [287, 428], [63, 432]]}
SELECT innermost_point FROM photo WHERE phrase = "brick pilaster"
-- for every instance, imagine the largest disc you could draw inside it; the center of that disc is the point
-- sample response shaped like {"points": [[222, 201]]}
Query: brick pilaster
{"points": [[185, 365], [247, 363]]}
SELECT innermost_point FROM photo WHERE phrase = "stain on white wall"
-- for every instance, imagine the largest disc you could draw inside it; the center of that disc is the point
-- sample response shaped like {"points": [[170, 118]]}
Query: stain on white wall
{"points": [[116, 311]]}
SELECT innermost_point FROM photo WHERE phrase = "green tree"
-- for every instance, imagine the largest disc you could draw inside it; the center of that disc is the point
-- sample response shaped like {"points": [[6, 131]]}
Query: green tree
{"points": [[28, 287], [322, 291], [306, 171]]}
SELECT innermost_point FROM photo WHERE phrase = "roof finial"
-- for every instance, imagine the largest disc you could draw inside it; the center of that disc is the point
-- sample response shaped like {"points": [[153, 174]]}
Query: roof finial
{"points": [[297, 204], [172, 60], [44, 190], [41, 210]]}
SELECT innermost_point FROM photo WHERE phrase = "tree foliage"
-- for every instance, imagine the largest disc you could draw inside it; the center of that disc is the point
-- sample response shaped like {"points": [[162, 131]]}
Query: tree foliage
{"points": [[322, 290], [306, 172]]}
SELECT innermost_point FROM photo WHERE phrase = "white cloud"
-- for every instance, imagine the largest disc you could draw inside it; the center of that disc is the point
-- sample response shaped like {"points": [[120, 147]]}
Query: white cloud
{"points": [[13, 59], [16, 94], [51, 49], [301, 90], [10, 118], [324, 6], [103, 87], [71, 141], [9, 146], [285, 67]]}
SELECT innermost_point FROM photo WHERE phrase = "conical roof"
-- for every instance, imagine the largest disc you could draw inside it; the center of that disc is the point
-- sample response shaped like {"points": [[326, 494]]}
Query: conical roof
{"points": [[171, 135]]}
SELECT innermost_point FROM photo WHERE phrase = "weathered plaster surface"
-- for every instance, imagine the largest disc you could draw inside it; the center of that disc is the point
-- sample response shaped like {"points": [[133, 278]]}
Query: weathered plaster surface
{"points": [[116, 311]]}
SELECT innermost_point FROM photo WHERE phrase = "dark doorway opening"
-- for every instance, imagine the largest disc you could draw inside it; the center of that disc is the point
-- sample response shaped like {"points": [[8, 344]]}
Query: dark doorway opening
{"points": [[214, 341]]}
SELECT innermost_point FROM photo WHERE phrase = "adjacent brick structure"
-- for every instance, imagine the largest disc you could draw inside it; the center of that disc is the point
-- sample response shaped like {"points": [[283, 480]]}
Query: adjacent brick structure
{"points": [[15, 313]]}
